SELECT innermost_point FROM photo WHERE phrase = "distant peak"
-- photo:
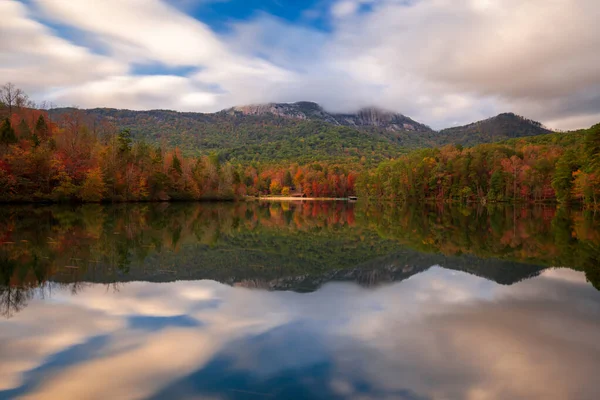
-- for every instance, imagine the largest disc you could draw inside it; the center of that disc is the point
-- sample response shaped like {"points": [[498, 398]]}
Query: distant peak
{"points": [[310, 104], [367, 117]]}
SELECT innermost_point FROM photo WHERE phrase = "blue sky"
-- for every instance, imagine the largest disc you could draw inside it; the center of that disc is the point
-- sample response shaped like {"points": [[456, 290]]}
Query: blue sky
{"points": [[442, 62], [219, 14]]}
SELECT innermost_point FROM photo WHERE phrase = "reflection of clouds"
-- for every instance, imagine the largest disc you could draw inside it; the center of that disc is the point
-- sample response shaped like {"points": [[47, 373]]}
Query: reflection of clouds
{"points": [[136, 372], [516, 346], [440, 334], [38, 333], [564, 275]]}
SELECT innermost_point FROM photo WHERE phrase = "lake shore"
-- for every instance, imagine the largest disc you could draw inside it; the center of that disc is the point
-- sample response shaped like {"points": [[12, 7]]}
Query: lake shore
{"points": [[290, 198]]}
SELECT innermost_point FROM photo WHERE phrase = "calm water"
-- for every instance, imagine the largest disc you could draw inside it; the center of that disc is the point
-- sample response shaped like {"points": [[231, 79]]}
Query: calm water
{"points": [[299, 301]]}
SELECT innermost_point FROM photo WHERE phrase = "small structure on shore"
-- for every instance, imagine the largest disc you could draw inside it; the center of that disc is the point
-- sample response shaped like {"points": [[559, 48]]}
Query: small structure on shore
{"points": [[352, 198], [299, 195]]}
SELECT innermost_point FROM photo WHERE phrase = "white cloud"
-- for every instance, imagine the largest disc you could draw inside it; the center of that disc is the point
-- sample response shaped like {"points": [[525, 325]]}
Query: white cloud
{"points": [[516, 54], [33, 58], [136, 92], [140, 29], [443, 62], [344, 8]]}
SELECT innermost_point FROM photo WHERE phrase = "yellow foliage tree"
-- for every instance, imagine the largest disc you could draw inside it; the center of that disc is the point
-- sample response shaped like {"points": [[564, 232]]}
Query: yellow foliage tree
{"points": [[275, 187], [93, 187]]}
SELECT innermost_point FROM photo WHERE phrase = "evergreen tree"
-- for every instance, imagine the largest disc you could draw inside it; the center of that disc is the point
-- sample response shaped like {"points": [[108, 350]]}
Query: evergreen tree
{"points": [[124, 141], [41, 128], [23, 130], [7, 133], [157, 158], [563, 177], [176, 164], [287, 179], [496, 186], [592, 147]]}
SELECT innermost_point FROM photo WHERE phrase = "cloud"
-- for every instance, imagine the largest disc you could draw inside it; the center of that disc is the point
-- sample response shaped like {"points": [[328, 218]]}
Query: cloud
{"points": [[137, 92], [138, 30], [510, 51], [443, 62], [35, 59]]}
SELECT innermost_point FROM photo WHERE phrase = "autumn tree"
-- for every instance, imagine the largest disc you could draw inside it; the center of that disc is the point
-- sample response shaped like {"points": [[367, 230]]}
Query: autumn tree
{"points": [[93, 187], [275, 187]]}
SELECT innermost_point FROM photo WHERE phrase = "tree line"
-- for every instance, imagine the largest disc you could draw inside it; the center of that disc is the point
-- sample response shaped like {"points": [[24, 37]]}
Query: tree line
{"points": [[75, 157], [533, 169]]}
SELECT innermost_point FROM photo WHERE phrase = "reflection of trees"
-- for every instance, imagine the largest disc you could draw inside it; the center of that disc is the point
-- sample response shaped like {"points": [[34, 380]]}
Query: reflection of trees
{"points": [[13, 299], [539, 235], [260, 242]]}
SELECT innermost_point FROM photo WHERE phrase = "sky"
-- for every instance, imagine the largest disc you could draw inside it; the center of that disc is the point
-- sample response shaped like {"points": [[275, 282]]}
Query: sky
{"points": [[441, 62]]}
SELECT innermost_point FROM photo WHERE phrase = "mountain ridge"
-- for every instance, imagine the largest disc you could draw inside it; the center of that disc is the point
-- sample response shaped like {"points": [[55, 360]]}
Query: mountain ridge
{"points": [[364, 117], [302, 131], [500, 127]]}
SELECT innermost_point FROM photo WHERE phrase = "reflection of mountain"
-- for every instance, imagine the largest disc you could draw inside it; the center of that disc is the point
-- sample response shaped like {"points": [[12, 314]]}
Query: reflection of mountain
{"points": [[505, 348], [279, 246], [265, 271]]}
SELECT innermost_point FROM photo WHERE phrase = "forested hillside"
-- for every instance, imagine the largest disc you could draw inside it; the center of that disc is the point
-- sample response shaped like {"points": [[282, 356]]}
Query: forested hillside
{"points": [[74, 155], [563, 167], [300, 132], [495, 129], [75, 158], [246, 138]]}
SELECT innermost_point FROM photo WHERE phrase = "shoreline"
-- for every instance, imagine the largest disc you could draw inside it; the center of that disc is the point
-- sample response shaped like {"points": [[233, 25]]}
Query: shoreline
{"points": [[289, 198]]}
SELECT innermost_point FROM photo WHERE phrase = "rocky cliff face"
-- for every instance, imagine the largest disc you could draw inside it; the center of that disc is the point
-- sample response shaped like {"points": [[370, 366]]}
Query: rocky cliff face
{"points": [[375, 117], [364, 118]]}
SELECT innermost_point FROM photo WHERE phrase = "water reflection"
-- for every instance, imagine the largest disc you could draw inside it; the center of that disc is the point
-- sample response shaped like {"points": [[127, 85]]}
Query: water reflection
{"points": [[281, 246], [439, 334]]}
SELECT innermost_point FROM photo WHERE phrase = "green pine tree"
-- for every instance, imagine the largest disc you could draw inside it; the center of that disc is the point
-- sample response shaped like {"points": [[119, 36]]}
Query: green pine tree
{"points": [[7, 133], [592, 147], [287, 179], [23, 130], [176, 165], [41, 128], [563, 176], [125, 141]]}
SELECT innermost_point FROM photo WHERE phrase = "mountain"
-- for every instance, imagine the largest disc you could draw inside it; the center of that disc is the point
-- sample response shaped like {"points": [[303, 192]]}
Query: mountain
{"points": [[300, 132], [364, 118], [501, 127]]}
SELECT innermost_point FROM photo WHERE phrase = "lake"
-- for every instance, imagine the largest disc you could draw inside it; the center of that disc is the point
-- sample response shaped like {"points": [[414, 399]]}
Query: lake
{"points": [[299, 300]]}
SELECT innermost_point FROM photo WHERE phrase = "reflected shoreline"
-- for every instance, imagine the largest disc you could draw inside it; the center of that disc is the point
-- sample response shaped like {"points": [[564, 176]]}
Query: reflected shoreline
{"points": [[295, 246]]}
